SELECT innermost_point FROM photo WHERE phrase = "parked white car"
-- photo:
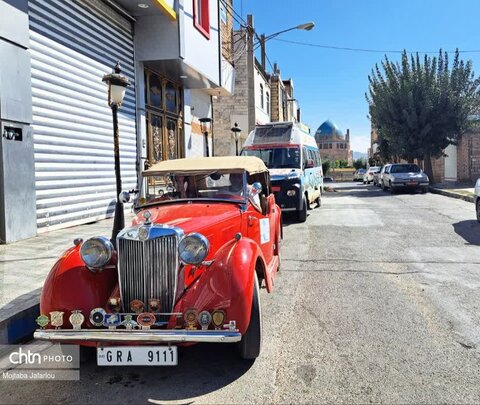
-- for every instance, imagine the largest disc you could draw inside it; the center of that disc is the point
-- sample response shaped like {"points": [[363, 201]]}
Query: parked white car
{"points": [[368, 176], [477, 199]]}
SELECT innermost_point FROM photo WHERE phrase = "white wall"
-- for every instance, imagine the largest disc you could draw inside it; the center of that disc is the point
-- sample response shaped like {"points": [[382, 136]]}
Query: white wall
{"points": [[451, 163], [201, 53], [261, 116], [197, 105]]}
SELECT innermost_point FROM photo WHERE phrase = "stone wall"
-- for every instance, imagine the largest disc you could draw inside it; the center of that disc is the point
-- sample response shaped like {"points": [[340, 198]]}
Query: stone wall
{"points": [[230, 109]]}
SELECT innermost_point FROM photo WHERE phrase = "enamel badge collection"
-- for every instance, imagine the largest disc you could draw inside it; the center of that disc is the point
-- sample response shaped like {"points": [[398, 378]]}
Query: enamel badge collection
{"points": [[138, 319]]}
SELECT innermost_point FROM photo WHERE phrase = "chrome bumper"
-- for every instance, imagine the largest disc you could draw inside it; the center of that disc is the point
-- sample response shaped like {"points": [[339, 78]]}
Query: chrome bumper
{"points": [[122, 335]]}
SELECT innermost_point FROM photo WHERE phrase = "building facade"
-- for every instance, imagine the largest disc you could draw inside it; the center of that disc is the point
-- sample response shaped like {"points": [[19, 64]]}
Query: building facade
{"points": [[56, 117], [333, 144]]}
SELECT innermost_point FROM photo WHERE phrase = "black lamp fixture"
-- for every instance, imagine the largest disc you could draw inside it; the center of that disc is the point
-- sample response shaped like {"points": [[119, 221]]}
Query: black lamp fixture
{"points": [[117, 85], [236, 134], [205, 126]]}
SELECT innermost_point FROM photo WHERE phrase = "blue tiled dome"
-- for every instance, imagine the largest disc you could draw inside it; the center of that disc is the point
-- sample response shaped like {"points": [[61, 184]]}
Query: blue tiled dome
{"points": [[328, 130]]}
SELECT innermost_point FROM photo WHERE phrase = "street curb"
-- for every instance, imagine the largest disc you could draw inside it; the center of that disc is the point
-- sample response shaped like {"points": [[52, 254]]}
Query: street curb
{"points": [[20, 324], [451, 194]]}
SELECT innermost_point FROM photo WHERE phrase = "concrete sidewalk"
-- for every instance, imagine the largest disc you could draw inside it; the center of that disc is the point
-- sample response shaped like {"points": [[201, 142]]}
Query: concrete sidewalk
{"points": [[461, 191], [24, 266]]}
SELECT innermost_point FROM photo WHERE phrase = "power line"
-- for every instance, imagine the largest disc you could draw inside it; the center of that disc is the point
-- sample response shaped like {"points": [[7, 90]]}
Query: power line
{"points": [[341, 48]]}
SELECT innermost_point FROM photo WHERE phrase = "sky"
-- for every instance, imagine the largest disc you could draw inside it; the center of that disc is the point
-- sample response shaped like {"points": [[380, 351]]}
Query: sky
{"points": [[330, 83]]}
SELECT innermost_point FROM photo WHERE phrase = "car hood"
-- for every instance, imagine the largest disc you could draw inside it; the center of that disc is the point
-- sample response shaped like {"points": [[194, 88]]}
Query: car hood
{"points": [[191, 217]]}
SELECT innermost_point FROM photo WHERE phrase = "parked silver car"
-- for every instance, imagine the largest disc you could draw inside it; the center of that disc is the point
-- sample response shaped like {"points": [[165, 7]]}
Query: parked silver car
{"points": [[405, 176]]}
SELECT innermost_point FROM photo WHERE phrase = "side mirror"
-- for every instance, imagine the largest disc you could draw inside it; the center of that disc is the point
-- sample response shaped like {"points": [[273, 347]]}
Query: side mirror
{"points": [[124, 197], [309, 164]]}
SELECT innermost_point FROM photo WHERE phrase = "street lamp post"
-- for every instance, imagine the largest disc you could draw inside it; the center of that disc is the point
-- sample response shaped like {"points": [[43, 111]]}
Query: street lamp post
{"points": [[236, 134], [117, 85], [205, 127], [263, 39]]}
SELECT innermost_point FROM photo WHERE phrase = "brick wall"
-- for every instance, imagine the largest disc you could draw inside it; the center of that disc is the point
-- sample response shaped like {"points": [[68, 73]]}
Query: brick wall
{"points": [[468, 157], [226, 31], [229, 109], [438, 168]]}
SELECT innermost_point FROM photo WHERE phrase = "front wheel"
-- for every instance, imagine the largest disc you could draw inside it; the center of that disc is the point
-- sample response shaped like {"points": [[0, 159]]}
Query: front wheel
{"points": [[302, 213], [251, 342], [478, 210]]}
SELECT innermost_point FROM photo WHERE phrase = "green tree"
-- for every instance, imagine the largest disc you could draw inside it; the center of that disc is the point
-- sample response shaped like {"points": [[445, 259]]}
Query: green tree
{"points": [[359, 164], [420, 107], [326, 164]]}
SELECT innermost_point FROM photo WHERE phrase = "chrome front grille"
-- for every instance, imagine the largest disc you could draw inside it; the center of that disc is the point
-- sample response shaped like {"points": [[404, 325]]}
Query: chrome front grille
{"points": [[148, 269]]}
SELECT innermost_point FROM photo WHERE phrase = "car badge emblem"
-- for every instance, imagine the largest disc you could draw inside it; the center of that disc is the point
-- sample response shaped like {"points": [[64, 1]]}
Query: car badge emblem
{"points": [[137, 306], [190, 318], [179, 322], [76, 319], [56, 319], [218, 317], [146, 319], [143, 233], [97, 315], [147, 215], [42, 321], [129, 323], [204, 319], [153, 305], [114, 304], [112, 320]]}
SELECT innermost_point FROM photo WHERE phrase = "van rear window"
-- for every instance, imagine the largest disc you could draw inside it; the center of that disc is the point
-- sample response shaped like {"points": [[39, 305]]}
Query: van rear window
{"points": [[272, 134]]}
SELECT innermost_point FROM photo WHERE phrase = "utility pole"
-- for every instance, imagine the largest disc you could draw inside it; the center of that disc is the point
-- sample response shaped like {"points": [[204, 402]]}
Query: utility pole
{"points": [[250, 74]]}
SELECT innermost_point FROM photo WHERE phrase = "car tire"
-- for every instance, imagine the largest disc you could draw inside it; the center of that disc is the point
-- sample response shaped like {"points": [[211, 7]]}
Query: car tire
{"points": [[302, 213], [364, 182], [477, 209], [251, 342], [392, 190], [383, 186], [424, 190], [318, 201]]}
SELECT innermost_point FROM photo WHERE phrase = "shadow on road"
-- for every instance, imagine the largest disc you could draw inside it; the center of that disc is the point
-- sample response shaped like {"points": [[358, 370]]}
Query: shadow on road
{"points": [[202, 369], [468, 230]]}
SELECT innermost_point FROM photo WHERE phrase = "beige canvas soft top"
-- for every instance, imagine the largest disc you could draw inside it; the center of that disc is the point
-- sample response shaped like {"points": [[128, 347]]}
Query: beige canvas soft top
{"points": [[189, 166]]}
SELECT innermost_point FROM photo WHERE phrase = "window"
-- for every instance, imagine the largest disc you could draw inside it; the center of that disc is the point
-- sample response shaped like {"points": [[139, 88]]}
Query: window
{"points": [[201, 17], [163, 104], [268, 103], [261, 96]]}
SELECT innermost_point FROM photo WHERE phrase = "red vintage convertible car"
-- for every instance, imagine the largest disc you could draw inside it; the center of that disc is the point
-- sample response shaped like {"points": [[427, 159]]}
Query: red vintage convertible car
{"points": [[206, 235]]}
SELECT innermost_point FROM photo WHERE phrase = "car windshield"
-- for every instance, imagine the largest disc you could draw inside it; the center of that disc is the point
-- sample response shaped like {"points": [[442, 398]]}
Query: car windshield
{"points": [[411, 168], [228, 186], [277, 158]]}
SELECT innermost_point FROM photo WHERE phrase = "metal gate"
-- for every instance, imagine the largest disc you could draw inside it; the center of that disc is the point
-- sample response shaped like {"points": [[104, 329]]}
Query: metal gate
{"points": [[73, 44]]}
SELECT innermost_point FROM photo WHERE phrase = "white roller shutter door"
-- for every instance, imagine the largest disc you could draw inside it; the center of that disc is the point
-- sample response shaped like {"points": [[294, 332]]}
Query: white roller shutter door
{"points": [[73, 44]]}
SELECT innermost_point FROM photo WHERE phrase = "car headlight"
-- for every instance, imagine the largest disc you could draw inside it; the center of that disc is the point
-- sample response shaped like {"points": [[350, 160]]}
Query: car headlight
{"points": [[96, 252], [193, 248]]}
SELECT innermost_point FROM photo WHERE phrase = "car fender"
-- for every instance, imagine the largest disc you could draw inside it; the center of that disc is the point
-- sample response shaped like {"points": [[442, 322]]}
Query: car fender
{"points": [[227, 283], [71, 286]]}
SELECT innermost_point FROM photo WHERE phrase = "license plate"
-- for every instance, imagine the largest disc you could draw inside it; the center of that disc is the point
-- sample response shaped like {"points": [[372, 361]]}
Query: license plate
{"points": [[413, 183], [275, 188], [137, 356]]}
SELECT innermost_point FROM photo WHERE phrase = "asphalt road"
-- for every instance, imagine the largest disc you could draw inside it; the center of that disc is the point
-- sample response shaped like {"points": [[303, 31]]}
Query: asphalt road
{"points": [[377, 301]]}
